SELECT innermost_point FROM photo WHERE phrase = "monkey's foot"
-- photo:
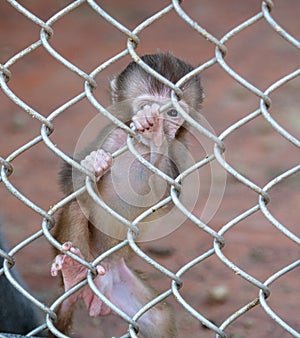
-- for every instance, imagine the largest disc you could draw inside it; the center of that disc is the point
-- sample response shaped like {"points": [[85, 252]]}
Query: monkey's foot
{"points": [[98, 162], [149, 123], [72, 271]]}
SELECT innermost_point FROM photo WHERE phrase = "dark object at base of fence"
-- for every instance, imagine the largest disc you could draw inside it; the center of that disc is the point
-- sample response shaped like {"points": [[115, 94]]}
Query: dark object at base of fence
{"points": [[9, 335], [17, 314]]}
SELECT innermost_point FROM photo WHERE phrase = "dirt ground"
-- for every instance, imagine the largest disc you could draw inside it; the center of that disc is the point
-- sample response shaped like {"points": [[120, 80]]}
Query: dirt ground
{"points": [[257, 151]]}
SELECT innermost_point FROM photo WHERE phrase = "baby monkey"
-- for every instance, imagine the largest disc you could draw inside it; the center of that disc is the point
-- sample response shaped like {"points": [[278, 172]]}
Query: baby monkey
{"points": [[87, 230]]}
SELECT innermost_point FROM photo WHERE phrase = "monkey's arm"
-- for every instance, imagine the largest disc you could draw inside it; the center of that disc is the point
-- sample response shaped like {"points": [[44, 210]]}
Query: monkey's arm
{"points": [[70, 178]]}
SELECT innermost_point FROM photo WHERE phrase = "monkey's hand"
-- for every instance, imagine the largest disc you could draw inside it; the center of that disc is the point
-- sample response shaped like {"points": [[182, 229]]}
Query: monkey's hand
{"points": [[149, 123], [73, 273], [98, 162]]}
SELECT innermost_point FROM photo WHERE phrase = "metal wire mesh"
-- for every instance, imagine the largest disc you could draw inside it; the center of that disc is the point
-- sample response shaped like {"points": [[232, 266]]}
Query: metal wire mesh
{"points": [[48, 124]]}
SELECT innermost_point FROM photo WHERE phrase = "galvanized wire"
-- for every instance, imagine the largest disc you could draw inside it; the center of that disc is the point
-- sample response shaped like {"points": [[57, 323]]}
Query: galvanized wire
{"points": [[218, 237]]}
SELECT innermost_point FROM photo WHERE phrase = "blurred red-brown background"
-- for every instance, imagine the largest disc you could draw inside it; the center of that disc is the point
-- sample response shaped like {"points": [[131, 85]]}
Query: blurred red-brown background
{"points": [[259, 54]]}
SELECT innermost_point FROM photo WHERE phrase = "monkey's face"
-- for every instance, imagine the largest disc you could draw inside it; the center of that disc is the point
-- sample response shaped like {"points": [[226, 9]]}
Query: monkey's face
{"points": [[154, 123]]}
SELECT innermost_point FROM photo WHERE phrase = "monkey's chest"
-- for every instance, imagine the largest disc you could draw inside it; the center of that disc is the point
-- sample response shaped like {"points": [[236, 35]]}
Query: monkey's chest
{"points": [[128, 190], [132, 185]]}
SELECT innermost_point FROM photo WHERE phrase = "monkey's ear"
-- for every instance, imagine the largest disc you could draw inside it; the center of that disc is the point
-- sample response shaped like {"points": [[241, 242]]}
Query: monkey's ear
{"points": [[114, 90]]}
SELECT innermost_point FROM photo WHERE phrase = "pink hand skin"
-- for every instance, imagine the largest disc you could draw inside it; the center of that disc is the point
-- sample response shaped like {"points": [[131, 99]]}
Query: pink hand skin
{"points": [[98, 162], [149, 124]]}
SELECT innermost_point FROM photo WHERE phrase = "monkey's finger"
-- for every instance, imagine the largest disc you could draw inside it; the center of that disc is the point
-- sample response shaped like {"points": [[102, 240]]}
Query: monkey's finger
{"points": [[144, 119], [89, 160], [67, 246], [151, 112], [97, 162], [107, 157], [140, 121], [100, 269], [102, 162], [57, 265], [137, 124], [152, 115]]}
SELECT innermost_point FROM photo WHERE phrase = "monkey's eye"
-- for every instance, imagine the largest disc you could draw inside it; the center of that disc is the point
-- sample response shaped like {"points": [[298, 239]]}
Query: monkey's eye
{"points": [[173, 113]]}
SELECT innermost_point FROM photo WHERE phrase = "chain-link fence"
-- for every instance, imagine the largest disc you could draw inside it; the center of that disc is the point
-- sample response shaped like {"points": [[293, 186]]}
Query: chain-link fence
{"points": [[230, 270]]}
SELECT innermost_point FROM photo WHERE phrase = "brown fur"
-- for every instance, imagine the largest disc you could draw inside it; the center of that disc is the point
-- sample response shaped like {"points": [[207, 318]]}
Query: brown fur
{"points": [[72, 224]]}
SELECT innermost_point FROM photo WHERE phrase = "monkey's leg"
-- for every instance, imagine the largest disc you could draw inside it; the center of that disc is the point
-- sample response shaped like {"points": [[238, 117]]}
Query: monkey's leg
{"points": [[73, 273], [119, 284]]}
